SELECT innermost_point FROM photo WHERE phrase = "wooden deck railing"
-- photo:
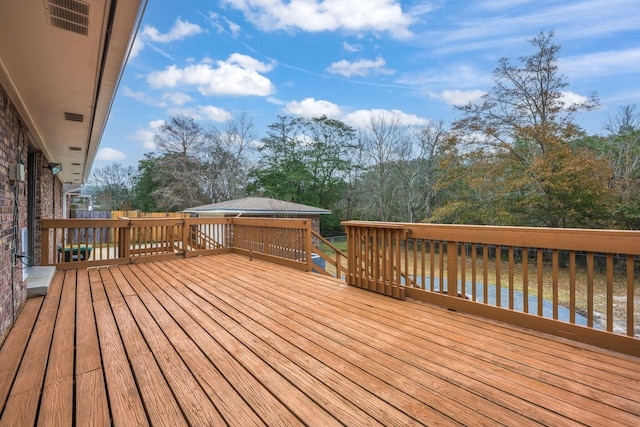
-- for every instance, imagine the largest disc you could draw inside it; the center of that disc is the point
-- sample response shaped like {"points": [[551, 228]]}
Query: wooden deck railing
{"points": [[336, 259], [80, 243], [580, 284]]}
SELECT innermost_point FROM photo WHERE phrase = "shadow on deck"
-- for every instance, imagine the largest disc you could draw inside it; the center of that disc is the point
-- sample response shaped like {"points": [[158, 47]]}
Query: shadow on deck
{"points": [[224, 340]]}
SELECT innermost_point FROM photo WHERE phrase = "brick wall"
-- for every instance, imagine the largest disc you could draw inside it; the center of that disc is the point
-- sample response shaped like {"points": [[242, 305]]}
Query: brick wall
{"points": [[13, 204], [14, 148], [48, 202]]}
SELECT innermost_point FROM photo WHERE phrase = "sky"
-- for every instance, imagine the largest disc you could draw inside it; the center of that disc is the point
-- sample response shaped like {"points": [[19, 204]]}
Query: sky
{"points": [[354, 59]]}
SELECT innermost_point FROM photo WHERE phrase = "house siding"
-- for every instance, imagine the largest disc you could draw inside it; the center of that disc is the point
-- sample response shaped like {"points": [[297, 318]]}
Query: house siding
{"points": [[14, 148]]}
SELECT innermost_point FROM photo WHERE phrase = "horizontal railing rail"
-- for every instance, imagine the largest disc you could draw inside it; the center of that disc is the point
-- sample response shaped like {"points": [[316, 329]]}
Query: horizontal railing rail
{"points": [[580, 284], [81, 243]]}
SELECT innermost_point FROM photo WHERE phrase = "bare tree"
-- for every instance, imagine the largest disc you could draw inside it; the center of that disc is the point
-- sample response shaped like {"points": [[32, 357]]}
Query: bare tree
{"points": [[227, 157], [179, 169], [420, 174], [112, 186], [387, 145], [622, 149]]}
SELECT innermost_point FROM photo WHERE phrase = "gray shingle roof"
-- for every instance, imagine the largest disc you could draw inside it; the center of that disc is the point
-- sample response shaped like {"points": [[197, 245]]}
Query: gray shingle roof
{"points": [[258, 205]]}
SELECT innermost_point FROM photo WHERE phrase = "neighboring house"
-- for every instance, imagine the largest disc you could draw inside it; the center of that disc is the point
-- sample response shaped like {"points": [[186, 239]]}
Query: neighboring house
{"points": [[60, 65], [261, 207]]}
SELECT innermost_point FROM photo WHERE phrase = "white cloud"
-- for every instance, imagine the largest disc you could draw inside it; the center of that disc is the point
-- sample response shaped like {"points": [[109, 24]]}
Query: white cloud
{"points": [[203, 112], [146, 135], [180, 30], [375, 16], [110, 155], [239, 75], [177, 98], [362, 67], [360, 119], [142, 97], [137, 47], [569, 98], [351, 47], [613, 62], [310, 107], [459, 97]]}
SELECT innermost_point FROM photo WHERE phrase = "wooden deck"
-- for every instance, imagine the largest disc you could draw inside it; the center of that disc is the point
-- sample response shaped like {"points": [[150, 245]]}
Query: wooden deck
{"points": [[224, 340]]}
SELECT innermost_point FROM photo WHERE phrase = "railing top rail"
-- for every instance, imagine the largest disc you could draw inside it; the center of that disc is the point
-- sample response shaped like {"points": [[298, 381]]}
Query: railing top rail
{"points": [[588, 240], [83, 223], [376, 224], [273, 222]]}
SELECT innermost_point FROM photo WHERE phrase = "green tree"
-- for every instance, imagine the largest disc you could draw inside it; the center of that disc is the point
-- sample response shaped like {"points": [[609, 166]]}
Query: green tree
{"points": [[306, 160], [146, 183], [535, 172]]}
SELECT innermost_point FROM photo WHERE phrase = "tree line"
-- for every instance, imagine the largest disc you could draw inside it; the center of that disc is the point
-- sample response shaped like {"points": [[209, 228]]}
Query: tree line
{"points": [[515, 157]]}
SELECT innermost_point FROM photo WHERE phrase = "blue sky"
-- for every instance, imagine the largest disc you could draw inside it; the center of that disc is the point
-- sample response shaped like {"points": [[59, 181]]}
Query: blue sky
{"points": [[350, 59]]}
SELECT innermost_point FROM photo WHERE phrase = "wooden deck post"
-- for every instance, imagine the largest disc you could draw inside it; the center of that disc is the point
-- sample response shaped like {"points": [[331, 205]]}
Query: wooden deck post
{"points": [[44, 251], [308, 244], [124, 239]]}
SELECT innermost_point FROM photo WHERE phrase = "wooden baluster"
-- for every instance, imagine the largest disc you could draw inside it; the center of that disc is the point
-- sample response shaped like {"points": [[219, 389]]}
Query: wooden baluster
{"points": [[511, 277], [572, 286], [432, 265], [498, 276], [485, 273], [452, 269], [554, 268], [474, 278], [463, 269], [422, 264], [630, 296], [540, 283], [610, 314], [442, 249], [590, 263], [525, 280]]}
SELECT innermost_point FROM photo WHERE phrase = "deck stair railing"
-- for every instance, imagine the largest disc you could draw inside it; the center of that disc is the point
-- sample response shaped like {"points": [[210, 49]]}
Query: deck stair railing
{"points": [[580, 284], [336, 259]]}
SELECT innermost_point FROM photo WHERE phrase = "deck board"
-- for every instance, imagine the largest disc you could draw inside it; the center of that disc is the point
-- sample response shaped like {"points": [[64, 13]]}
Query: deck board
{"points": [[15, 345], [223, 340]]}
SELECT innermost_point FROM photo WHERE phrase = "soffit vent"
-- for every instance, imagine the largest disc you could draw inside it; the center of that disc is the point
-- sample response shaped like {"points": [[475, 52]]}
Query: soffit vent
{"points": [[70, 15], [74, 117]]}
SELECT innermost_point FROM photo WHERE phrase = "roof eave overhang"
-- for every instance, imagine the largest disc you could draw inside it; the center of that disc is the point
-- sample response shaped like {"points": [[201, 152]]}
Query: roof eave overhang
{"points": [[48, 71]]}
